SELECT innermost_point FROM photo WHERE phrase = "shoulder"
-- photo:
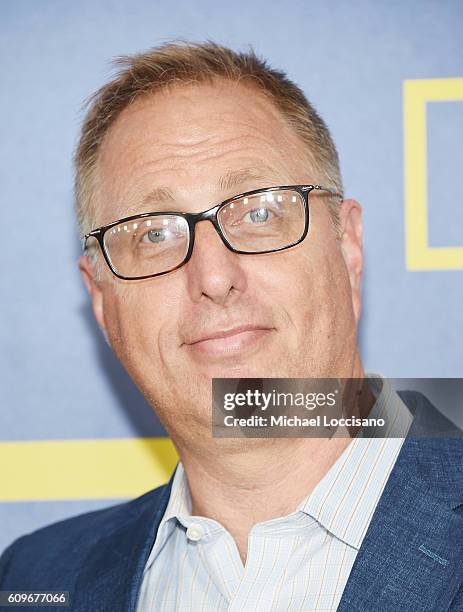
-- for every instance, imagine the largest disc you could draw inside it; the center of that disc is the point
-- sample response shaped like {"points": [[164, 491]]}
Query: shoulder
{"points": [[60, 548]]}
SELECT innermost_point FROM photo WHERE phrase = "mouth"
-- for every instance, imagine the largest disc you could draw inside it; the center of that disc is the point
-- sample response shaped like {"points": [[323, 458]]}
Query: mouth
{"points": [[223, 343]]}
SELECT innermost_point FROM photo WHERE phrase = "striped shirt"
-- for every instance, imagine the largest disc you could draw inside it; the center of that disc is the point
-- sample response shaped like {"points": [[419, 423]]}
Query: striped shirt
{"points": [[296, 562]]}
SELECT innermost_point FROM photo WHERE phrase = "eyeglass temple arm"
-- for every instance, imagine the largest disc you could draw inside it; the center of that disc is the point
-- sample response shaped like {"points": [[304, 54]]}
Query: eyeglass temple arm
{"points": [[328, 190]]}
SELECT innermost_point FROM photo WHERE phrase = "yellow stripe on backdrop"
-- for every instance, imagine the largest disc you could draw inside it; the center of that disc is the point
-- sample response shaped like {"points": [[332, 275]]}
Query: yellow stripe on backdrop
{"points": [[416, 95], [83, 469]]}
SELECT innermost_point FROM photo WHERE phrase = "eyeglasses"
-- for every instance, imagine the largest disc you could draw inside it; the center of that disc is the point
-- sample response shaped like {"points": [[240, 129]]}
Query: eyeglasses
{"points": [[251, 223]]}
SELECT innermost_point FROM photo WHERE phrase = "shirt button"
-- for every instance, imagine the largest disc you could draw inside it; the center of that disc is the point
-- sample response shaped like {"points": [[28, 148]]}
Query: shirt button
{"points": [[194, 532]]}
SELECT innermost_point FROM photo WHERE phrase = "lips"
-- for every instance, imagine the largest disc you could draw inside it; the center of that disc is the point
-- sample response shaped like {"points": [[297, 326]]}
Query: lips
{"points": [[226, 333], [228, 343]]}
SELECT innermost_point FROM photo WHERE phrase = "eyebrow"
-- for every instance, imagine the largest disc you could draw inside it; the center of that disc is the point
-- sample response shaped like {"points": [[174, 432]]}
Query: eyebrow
{"points": [[158, 195], [238, 177], [230, 180]]}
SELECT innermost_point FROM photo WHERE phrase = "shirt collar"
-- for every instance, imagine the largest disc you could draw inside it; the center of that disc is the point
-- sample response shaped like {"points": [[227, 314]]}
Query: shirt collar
{"points": [[179, 505]]}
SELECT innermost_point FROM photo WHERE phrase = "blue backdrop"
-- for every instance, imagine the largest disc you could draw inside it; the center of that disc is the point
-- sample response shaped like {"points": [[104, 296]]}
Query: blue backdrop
{"points": [[60, 380]]}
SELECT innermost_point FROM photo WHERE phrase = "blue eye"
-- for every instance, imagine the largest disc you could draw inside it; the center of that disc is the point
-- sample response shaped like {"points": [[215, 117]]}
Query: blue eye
{"points": [[155, 235], [259, 215]]}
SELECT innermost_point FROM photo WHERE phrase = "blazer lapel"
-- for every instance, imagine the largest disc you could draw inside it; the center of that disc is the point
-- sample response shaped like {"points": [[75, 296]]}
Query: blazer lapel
{"points": [[113, 571], [412, 555]]}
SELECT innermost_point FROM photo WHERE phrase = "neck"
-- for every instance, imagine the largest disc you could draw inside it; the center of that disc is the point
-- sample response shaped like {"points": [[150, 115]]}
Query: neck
{"points": [[257, 480], [241, 482]]}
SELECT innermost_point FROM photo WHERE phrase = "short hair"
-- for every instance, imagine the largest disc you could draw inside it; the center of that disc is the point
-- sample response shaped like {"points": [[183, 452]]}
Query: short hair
{"points": [[188, 63]]}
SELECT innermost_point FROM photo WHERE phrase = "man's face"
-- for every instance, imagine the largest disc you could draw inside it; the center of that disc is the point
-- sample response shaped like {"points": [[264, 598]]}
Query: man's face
{"points": [[286, 314]]}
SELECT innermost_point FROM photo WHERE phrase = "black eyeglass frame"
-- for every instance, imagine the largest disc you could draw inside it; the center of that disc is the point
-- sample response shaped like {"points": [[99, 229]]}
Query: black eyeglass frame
{"points": [[209, 215]]}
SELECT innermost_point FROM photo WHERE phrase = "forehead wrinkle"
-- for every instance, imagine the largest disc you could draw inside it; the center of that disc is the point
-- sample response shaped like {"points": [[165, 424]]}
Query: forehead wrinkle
{"points": [[253, 156], [173, 156], [211, 147]]}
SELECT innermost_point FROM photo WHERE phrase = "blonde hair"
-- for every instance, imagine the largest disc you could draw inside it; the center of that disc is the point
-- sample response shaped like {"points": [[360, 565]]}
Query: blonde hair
{"points": [[185, 63]]}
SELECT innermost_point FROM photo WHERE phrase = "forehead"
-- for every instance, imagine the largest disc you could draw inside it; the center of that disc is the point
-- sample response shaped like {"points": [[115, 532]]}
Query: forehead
{"points": [[191, 138]]}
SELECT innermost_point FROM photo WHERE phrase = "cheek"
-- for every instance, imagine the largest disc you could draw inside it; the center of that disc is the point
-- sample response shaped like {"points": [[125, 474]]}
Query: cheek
{"points": [[136, 320], [312, 286]]}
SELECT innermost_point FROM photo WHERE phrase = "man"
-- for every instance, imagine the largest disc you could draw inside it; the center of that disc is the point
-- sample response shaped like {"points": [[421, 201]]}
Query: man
{"points": [[251, 289]]}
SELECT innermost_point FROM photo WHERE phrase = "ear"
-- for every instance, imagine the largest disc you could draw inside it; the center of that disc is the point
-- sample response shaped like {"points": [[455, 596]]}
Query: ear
{"points": [[94, 288], [352, 248]]}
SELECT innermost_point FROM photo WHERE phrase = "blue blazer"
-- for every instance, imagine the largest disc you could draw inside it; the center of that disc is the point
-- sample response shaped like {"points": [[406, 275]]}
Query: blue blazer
{"points": [[410, 560]]}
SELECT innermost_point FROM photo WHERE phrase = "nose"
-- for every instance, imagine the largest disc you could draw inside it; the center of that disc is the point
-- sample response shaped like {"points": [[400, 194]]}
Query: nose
{"points": [[214, 271]]}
